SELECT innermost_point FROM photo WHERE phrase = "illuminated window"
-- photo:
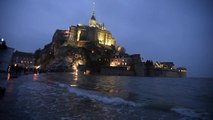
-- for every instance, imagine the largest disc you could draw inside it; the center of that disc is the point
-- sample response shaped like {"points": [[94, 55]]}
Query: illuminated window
{"points": [[128, 67]]}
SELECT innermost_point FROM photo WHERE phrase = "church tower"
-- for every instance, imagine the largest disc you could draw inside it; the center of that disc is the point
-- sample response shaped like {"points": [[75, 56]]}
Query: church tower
{"points": [[92, 22]]}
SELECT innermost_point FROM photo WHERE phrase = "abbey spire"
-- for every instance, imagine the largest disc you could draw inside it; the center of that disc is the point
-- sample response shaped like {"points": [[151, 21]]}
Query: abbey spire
{"points": [[92, 22]]}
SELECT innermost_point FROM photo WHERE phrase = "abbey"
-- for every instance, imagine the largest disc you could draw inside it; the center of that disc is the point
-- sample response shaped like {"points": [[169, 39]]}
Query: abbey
{"points": [[94, 32]]}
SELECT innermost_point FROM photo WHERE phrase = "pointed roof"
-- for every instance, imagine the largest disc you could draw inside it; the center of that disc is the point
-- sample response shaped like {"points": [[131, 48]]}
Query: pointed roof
{"points": [[93, 12], [93, 16]]}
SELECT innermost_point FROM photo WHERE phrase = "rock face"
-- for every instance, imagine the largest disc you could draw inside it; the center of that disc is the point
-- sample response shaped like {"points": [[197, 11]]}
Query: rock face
{"points": [[63, 55]]}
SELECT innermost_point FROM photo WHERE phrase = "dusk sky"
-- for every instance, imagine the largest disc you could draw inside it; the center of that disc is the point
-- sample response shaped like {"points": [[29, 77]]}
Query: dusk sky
{"points": [[180, 31]]}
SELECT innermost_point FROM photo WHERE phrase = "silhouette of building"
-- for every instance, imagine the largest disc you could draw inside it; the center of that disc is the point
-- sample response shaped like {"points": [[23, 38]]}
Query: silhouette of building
{"points": [[5, 56], [23, 59]]}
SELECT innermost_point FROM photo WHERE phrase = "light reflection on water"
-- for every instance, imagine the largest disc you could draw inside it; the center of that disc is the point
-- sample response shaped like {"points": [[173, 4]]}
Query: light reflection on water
{"points": [[108, 85], [8, 76], [171, 90], [173, 97], [35, 76]]}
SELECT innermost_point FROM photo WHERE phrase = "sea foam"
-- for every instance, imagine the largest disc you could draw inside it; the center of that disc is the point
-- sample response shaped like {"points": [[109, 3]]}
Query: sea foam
{"points": [[92, 95], [189, 113]]}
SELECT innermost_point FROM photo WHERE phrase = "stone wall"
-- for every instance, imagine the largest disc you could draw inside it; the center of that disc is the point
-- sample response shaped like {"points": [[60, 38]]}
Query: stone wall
{"points": [[139, 69], [116, 71], [166, 73]]}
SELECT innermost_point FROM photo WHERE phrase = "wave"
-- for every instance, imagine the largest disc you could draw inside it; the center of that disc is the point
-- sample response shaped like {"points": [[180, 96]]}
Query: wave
{"points": [[98, 97], [190, 113]]}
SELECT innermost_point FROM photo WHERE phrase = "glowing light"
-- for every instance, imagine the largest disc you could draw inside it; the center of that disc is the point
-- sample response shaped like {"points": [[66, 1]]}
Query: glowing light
{"points": [[87, 72], [37, 67], [119, 48], [128, 67], [75, 75], [182, 71], [158, 65], [76, 72], [2, 39], [35, 77], [114, 63], [75, 68], [8, 76], [73, 85], [78, 35]]}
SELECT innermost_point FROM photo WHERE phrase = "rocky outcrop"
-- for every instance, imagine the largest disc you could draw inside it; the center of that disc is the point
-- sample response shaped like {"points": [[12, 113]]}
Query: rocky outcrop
{"points": [[61, 55]]}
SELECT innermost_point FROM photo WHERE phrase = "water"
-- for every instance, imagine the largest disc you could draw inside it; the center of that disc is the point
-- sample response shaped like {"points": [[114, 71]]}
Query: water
{"points": [[69, 96]]}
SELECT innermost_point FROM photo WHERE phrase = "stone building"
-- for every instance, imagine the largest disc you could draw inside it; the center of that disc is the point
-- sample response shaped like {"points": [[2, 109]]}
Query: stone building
{"points": [[125, 60], [23, 59]]}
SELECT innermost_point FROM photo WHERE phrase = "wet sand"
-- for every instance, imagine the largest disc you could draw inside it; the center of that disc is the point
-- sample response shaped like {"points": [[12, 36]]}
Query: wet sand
{"points": [[8, 106]]}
